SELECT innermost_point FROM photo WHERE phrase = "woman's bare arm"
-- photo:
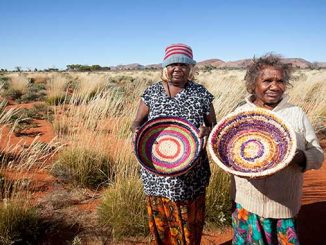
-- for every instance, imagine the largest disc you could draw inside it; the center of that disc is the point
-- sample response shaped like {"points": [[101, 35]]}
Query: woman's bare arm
{"points": [[141, 116]]}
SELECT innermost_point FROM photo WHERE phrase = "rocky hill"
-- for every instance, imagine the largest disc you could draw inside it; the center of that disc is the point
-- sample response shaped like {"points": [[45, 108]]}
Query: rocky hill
{"points": [[217, 63]]}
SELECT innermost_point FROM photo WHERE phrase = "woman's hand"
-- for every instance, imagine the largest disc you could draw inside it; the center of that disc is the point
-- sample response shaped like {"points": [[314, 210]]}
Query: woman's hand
{"points": [[203, 134], [204, 131], [300, 159], [134, 128]]}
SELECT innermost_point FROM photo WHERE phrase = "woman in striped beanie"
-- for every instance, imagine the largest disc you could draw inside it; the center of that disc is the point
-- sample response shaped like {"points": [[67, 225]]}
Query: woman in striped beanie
{"points": [[176, 204]]}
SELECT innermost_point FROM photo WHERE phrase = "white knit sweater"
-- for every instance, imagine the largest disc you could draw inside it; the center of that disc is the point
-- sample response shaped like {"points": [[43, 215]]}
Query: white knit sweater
{"points": [[279, 195]]}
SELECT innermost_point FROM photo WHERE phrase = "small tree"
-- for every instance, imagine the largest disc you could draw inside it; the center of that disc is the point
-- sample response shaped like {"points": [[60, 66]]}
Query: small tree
{"points": [[18, 68]]}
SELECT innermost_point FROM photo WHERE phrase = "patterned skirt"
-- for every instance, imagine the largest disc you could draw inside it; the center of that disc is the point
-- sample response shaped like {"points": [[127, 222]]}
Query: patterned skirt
{"points": [[250, 228], [179, 222]]}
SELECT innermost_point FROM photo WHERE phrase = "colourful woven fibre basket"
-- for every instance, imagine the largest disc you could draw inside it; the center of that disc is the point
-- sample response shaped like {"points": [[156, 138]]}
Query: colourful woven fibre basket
{"points": [[168, 146], [252, 143]]}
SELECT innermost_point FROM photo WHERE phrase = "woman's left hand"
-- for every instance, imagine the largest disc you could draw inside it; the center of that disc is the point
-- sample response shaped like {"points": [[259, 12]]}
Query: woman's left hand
{"points": [[300, 159], [204, 131]]}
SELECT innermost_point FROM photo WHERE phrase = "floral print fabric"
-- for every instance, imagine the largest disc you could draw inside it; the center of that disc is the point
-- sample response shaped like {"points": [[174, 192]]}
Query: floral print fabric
{"points": [[178, 222], [250, 228]]}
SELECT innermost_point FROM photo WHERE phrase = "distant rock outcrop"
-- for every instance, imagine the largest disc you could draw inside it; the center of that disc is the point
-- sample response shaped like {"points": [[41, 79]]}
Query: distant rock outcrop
{"points": [[212, 62], [298, 62], [217, 63], [320, 64]]}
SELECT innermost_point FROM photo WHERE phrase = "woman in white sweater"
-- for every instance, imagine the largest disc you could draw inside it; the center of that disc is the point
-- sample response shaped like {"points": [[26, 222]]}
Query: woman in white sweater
{"points": [[266, 208]]}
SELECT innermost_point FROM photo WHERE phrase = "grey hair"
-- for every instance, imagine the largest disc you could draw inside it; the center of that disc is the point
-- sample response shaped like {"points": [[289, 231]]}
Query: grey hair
{"points": [[268, 60]]}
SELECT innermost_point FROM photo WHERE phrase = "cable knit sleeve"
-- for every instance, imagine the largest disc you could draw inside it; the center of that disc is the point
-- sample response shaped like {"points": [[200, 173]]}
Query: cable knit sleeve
{"points": [[313, 152]]}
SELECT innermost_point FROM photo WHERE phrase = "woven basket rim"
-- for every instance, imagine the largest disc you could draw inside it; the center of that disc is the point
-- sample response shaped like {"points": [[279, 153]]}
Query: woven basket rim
{"points": [[169, 120], [266, 172]]}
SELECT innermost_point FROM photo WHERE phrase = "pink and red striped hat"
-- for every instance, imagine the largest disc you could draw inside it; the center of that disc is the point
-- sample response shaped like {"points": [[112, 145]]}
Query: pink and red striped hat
{"points": [[178, 53]]}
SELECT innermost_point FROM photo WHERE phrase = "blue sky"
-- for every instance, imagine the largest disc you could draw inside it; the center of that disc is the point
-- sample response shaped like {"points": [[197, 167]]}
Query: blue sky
{"points": [[54, 33]]}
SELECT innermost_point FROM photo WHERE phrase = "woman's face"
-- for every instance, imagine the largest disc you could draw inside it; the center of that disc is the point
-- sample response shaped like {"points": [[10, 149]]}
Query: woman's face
{"points": [[270, 86], [178, 72]]}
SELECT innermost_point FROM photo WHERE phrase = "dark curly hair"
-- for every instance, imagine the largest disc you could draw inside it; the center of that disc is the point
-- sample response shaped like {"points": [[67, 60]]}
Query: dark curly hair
{"points": [[268, 60]]}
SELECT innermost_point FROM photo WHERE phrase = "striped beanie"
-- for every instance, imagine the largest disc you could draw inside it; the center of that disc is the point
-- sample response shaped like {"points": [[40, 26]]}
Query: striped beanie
{"points": [[178, 53]]}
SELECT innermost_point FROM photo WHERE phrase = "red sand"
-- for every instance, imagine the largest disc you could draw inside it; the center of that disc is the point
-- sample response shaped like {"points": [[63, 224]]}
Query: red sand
{"points": [[311, 219]]}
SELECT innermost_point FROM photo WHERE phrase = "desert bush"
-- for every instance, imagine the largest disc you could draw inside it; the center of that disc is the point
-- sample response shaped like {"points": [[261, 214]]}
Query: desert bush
{"points": [[12, 93], [83, 167], [4, 82], [19, 224], [14, 86], [35, 92], [122, 210], [41, 111]]}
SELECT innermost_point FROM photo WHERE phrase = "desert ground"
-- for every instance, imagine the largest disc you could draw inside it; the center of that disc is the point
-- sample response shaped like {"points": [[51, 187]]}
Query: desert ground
{"points": [[52, 123]]}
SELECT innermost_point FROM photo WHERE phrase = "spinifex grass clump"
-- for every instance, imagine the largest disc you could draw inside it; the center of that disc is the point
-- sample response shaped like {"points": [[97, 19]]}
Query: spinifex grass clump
{"points": [[23, 89], [218, 202], [122, 210], [19, 223], [83, 167]]}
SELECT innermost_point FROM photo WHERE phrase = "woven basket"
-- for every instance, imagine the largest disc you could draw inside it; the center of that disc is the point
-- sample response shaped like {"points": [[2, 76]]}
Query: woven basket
{"points": [[167, 146], [253, 143]]}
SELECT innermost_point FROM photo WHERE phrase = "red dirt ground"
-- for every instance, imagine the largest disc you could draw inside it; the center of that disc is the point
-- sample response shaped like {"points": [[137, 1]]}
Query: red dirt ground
{"points": [[311, 219]]}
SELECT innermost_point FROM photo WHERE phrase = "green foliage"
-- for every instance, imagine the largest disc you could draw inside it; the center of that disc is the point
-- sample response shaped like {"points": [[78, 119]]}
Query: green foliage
{"points": [[19, 224], [78, 67], [12, 93], [218, 203], [41, 111], [83, 167], [123, 211], [35, 92], [208, 68], [4, 82]]}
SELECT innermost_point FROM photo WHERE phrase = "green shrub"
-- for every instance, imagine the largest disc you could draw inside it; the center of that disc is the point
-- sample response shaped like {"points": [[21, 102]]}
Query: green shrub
{"points": [[19, 224], [83, 167], [35, 92], [123, 211], [4, 82], [41, 111], [12, 93], [218, 204]]}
